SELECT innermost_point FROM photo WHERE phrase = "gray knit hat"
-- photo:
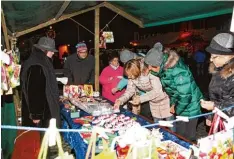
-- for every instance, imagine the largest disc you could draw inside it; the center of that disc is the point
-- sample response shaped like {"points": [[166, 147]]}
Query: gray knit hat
{"points": [[221, 44], [154, 57], [126, 55]]}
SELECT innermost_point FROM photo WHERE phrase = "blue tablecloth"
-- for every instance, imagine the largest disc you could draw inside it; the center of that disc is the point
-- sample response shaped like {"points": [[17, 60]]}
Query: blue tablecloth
{"points": [[77, 143]]}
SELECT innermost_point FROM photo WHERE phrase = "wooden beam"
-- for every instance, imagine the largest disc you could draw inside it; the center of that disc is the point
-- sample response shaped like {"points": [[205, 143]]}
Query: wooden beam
{"points": [[52, 21], [81, 25], [96, 44], [4, 28], [62, 9], [124, 14]]}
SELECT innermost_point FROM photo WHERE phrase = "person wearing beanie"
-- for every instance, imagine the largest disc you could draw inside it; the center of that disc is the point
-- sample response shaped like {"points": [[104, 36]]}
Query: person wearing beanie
{"points": [[138, 79], [110, 77], [178, 82], [221, 88], [125, 56], [80, 66]]}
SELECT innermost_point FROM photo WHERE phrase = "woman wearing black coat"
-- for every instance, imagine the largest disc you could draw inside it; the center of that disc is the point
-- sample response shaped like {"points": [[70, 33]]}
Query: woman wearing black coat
{"points": [[221, 88]]}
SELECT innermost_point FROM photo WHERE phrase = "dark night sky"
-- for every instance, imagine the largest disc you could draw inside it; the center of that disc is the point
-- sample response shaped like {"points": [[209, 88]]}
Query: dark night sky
{"points": [[123, 29], [67, 31]]}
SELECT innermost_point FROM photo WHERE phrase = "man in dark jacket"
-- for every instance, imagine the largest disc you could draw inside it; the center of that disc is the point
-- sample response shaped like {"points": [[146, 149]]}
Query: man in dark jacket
{"points": [[40, 101], [221, 88], [79, 68]]}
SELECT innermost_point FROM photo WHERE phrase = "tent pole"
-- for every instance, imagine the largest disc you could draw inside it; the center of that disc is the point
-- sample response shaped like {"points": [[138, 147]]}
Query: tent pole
{"points": [[96, 44], [4, 28]]}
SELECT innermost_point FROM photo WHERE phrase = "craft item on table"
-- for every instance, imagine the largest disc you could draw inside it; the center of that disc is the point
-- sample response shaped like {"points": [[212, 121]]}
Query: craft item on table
{"points": [[173, 150], [140, 142], [66, 91], [135, 134], [115, 122], [88, 89], [81, 90], [75, 113], [96, 94], [122, 152], [74, 92], [94, 108], [85, 119], [66, 103]]}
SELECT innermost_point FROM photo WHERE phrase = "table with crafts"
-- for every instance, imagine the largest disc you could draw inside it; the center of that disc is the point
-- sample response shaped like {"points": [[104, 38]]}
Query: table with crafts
{"points": [[79, 141]]}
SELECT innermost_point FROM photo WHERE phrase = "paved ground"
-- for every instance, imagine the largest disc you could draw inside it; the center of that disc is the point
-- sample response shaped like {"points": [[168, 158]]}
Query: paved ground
{"points": [[203, 83]]}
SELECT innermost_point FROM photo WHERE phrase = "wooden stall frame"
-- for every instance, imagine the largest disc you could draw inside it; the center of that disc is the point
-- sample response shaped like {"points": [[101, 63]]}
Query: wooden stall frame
{"points": [[59, 17], [96, 46]]}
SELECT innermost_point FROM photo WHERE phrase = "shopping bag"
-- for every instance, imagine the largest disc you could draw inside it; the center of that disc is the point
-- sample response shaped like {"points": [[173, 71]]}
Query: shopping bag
{"points": [[217, 125], [219, 145], [107, 152], [44, 148], [146, 150]]}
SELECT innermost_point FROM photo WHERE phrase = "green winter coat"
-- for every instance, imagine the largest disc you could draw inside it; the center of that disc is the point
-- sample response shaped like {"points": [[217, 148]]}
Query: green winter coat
{"points": [[179, 84]]}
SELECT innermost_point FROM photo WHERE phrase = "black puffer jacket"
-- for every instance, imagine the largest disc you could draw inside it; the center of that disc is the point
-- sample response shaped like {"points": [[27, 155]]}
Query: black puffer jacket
{"points": [[221, 88]]}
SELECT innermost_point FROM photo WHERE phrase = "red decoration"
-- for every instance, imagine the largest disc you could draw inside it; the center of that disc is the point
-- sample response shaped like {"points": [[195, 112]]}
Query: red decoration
{"points": [[102, 44], [185, 35]]}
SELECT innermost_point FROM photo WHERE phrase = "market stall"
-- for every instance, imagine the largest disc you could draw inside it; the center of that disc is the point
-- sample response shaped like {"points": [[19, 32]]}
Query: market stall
{"points": [[74, 117]]}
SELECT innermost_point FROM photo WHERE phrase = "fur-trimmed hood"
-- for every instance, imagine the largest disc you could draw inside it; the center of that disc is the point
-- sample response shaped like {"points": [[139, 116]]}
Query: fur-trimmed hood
{"points": [[172, 59], [225, 72]]}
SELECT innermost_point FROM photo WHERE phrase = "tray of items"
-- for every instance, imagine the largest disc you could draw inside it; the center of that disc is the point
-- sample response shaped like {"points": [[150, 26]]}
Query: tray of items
{"points": [[119, 123], [92, 106], [86, 99]]}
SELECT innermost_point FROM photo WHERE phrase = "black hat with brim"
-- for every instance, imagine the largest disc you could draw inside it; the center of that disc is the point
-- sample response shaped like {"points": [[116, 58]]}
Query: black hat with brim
{"points": [[216, 48], [46, 43]]}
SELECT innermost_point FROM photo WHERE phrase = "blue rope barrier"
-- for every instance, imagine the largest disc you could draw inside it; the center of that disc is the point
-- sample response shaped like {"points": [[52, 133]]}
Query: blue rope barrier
{"points": [[41, 129], [193, 117], [82, 130]]}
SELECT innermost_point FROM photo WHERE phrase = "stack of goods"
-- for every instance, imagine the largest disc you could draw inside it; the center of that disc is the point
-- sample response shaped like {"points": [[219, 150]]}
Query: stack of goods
{"points": [[73, 91], [115, 122]]}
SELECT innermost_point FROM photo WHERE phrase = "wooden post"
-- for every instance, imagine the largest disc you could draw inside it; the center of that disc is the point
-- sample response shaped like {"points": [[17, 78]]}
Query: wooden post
{"points": [[96, 44], [4, 28]]}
